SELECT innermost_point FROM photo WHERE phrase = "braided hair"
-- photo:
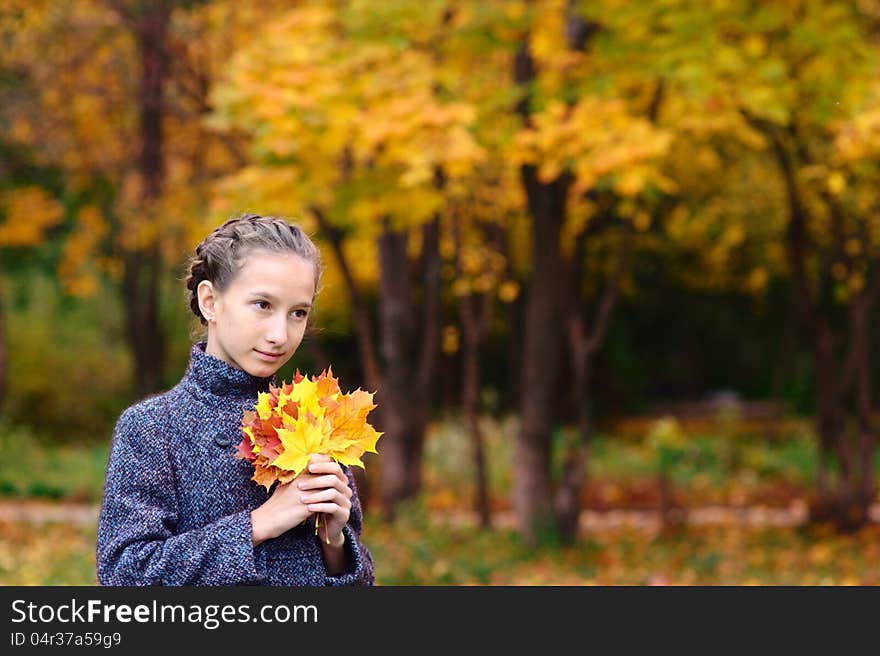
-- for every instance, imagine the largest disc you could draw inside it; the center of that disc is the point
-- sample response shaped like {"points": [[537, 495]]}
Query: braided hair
{"points": [[220, 255]]}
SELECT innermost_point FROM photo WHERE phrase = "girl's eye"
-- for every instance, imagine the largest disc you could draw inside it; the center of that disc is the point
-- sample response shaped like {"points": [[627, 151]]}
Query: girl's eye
{"points": [[263, 305], [300, 314]]}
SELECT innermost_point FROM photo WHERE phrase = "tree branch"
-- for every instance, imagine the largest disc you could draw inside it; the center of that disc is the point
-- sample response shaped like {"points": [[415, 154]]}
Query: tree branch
{"points": [[797, 239], [431, 303], [609, 296], [363, 331]]}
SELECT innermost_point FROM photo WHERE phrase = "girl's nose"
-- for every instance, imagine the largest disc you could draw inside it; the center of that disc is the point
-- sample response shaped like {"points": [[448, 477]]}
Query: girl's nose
{"points": [[277, 332]]}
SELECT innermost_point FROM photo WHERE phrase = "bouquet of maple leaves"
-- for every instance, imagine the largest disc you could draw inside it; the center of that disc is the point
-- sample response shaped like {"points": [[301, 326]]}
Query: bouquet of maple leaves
{"points": [[307, 416]]}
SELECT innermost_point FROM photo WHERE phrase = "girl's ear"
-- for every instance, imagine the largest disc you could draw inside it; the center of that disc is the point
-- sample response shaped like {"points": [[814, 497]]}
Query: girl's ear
{"points": [[207, 299]]}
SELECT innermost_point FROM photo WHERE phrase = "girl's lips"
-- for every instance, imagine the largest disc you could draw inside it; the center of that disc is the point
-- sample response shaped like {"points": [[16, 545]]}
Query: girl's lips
{"points": [[268, 356]]}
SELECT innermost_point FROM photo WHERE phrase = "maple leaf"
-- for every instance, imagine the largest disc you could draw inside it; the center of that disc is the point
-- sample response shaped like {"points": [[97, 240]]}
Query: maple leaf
{"points": [[307, 416], [264, 405], [351, 455], [272, 448], [265, 476], [245, 449], [327, 386], [299, 445], [351, 436]]}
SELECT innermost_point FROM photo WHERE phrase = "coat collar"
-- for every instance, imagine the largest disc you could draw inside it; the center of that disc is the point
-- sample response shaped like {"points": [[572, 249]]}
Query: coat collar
{"points": [[213, 375]]}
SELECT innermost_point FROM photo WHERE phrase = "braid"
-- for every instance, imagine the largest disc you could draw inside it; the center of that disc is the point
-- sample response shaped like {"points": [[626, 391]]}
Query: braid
{"points": [[198, 271]]}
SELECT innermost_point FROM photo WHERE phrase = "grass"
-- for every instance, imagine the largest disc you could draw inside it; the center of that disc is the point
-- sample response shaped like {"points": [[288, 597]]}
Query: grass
{"points": [[419, 549], [725, 467], [47, 554], [423, 548], [427, 546], [708, 469], [37, 468]]}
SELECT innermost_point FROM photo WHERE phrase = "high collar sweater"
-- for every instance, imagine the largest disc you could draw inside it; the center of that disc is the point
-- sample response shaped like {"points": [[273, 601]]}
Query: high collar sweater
{"points": [[177, 502]]}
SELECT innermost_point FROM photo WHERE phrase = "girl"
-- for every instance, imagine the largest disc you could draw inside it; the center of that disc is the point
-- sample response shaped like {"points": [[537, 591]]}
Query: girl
{"points": [[178, 507]]}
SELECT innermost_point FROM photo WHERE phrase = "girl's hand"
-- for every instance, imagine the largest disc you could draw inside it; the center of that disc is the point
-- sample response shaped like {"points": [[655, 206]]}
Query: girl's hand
{"points": [[280, 512], [325, 490]]}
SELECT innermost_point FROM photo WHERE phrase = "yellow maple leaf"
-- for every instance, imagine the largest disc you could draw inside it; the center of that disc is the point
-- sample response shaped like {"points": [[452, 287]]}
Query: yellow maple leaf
{"points": [[351, 456], [308, 416], [299, 445], [264, 405], [305, 394], [351, 435]]}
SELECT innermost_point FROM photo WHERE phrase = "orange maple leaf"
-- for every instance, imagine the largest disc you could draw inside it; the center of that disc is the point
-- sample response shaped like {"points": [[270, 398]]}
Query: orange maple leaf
{"points": [[309, 415]]}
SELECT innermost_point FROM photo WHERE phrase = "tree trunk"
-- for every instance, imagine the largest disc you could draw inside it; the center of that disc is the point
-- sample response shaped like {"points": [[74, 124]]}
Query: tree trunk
{"points": [[470, 406], [845, 477], [410, 359], [864, 395], [396, 334], [584, 344], [409, 356], [672, 514], [473, 310], [847, 444], [140, 287], [402, 447], [142, 267], [514, 313], [574, 474], [543, 339]]}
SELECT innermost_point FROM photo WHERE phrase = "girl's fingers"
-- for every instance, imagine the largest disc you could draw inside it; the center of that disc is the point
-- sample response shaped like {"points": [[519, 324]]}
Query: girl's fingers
{"points": [[328, 467], [330, 494], [324, 480], [327, 508]]}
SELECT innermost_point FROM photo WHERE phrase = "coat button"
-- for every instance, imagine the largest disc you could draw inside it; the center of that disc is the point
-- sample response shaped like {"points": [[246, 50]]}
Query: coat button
{"points": [[222, 439]]}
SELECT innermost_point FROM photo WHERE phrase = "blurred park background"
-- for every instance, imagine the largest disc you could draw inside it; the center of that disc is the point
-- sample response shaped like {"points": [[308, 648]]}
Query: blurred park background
{"points": [[611, 268]]}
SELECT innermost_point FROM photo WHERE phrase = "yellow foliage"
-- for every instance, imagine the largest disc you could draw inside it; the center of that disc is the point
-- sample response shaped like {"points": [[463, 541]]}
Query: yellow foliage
{"points": [[734, 235], [755, 46], [856, 283], [547, 24], [76, 268], [461, 287], [836, 183], [594, 138], [642, 221], [757, 280], [451, 340], [508, 291], [30, 211]]}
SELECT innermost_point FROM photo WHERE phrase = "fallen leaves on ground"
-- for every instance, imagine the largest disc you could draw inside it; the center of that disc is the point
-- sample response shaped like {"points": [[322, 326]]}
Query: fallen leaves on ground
{"points": [[424, 548]]}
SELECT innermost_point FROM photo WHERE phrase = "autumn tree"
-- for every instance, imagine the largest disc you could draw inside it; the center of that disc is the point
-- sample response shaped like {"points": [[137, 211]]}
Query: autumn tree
{"points": [[29, 212], [115, 100], [83, 72], [477, 276], [788, 89], [588, 157], [350, 130]]}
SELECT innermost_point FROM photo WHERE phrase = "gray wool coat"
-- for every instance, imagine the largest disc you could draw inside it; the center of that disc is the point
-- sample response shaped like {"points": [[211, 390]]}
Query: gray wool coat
{"points": [[176, 504]]}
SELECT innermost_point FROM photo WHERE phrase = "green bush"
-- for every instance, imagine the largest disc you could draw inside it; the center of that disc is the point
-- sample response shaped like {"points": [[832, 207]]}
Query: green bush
{"points": [[33, 466], [69, 371]]}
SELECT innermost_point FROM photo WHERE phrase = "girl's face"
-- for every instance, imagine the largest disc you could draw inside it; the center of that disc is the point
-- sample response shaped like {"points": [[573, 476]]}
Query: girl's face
{"points": [[259, 320]]}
